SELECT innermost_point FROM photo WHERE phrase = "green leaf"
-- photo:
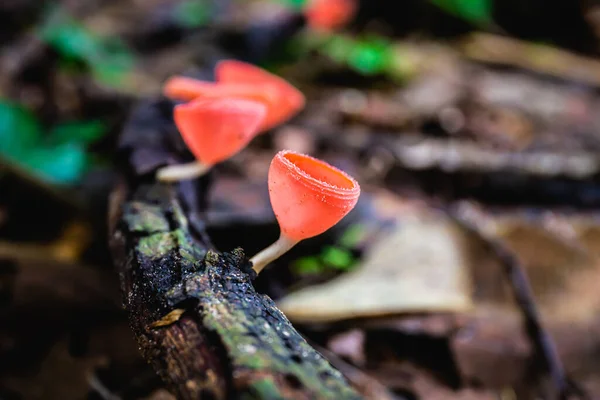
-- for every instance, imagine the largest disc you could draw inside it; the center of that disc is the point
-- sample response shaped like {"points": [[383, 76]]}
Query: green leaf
{"points": [[84, 132], [69, 37], [308, 266], [108, 58], [192, 13], [337, 257], [113, 62], [475, 11], [296, 4], [370, 57], [352, 236], [339, 48], [110, 73], [19, 130], [63, 164]]}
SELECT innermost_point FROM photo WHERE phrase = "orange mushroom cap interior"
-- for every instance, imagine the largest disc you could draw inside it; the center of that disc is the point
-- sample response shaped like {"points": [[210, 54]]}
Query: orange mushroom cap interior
{"points": [[216, 129], [321, 173], [308, 195]]}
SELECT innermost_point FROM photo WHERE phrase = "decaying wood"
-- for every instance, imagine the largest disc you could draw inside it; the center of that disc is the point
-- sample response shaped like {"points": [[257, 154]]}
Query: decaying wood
{"points": [[194, 311], [533, 56]]}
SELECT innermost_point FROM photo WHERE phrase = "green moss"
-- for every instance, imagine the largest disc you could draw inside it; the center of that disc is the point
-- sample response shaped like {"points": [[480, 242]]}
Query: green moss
{"points": [[253, 361], [144, 218], [156, 245], [256, 343], [187, 252], [179, 217], [266, 389], [161, 243], [211, 259]]}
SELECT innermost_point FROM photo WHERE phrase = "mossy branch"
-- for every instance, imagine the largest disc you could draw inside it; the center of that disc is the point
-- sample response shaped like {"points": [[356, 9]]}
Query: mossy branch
{"points": [[195, 314]]}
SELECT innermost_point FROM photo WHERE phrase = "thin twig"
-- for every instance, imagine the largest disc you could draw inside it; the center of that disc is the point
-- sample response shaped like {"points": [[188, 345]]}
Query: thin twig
{"points": [[524, 296], [517, 277]]}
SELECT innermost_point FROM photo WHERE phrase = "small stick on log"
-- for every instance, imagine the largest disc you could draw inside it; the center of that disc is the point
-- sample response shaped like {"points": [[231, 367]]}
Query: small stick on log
{"points": [[194, 311]]}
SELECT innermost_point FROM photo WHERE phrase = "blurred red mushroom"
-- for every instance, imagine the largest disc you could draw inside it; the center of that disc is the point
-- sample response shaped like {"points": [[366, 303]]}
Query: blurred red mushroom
{"points": [[182, 88], [213, 130], [246, 81], [289, 99], [330, 14]]}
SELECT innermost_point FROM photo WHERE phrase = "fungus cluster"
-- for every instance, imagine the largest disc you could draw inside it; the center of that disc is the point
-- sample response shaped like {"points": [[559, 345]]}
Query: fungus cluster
{"points": [[220, 118]]}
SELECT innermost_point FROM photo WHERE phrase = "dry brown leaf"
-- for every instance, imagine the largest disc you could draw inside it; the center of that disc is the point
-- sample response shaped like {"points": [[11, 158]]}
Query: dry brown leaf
{"points": [[350, 344], [161, 394], [407, 377], [422, 266], [492, 349], [559, 252], [561, 267]]}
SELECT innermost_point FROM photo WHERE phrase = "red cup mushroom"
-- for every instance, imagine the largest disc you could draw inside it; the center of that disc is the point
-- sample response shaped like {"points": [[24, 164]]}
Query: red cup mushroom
{"points": [[213, 130], [329, 15], [308, 197], [289, 99]]}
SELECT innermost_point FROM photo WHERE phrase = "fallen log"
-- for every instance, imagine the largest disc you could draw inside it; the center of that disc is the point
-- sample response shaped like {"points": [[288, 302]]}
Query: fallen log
{"points": [[194, 311]]}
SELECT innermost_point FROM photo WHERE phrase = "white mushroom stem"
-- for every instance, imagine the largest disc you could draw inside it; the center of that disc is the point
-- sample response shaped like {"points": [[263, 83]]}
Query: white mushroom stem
{"points": [[173, 173], [273, 252]]}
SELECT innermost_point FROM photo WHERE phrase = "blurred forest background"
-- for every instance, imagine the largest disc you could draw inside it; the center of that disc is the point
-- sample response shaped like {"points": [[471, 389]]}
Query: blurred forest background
{"points": [[473, 127]]}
